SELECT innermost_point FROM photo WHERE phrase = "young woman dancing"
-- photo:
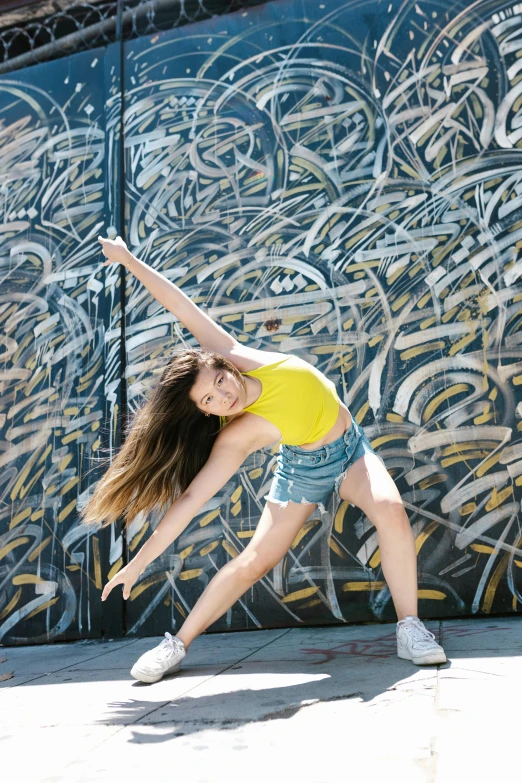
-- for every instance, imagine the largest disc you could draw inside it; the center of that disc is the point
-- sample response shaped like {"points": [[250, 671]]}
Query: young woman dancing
{"points": [[210, 410]]}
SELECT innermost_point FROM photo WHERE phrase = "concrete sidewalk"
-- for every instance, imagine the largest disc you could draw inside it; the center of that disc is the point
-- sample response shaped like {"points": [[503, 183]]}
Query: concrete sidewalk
{"points": [[312, 704]]}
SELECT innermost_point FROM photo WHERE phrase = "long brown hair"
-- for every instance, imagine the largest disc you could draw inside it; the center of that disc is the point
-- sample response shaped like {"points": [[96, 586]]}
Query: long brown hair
{"points": [[167, 444]]}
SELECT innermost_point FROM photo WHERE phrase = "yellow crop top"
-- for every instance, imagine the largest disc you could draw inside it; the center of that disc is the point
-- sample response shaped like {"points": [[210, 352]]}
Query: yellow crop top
{"points": [[300, 401]]}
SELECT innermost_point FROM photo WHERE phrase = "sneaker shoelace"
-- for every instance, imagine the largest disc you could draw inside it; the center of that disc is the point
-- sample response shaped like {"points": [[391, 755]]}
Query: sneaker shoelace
{"points": [[420, 633], [168, 646]]}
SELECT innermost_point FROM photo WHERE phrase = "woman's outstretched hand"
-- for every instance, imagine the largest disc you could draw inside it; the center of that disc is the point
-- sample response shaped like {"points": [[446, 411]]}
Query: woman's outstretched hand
{"points": [[115, 251], [126, 577]]}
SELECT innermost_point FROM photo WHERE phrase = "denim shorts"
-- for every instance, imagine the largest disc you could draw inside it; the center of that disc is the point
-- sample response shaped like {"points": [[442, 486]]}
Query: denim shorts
{"points": [[303, 476]]}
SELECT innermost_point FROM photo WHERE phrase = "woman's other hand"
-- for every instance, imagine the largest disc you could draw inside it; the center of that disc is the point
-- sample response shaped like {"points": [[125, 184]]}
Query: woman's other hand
{"points": [[115, 251], [127, 576]]}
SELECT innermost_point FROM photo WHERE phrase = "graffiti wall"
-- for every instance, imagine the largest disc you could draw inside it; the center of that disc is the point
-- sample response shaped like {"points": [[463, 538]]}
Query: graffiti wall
{"points": [[353, 170], [350, 171], [59, 363]]}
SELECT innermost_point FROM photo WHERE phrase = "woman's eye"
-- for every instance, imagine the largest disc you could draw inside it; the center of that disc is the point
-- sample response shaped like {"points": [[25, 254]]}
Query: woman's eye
{"points": [[219, 381]]}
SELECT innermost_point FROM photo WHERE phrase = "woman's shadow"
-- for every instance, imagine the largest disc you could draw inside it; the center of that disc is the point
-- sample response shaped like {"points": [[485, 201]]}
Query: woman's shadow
{"points": [[262, 691]]}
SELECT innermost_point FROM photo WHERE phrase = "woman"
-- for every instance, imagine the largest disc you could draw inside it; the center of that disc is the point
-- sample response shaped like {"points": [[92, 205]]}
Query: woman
{"points": [[209, 411]]}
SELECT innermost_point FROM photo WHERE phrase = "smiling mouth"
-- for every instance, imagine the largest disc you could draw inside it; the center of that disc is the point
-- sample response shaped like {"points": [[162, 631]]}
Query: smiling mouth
{"points": [[233, 404]]}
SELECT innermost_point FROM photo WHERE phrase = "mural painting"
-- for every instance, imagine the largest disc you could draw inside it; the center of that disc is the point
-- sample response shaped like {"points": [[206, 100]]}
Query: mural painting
{"points": [[337, 180]]}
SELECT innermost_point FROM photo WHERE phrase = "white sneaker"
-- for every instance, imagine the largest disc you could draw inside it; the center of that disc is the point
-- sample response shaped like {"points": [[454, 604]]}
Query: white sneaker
{"points": [[415, 643], [164, 659]]}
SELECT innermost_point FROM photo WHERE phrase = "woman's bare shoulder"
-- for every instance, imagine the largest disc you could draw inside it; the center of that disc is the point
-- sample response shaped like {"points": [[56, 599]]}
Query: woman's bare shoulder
{"points": [[247, 359]]}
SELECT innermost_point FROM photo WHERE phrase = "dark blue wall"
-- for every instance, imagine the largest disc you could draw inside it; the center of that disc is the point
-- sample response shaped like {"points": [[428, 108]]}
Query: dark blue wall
{"points": [[350, 168]]}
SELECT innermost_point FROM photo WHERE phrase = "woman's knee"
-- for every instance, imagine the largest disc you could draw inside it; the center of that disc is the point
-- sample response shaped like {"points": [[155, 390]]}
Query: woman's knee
{"points": [[389, 513], [253, 566]]}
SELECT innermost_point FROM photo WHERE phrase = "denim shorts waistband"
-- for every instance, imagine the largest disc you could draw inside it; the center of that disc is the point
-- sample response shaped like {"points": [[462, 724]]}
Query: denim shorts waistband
{"points": [[330, 448]]}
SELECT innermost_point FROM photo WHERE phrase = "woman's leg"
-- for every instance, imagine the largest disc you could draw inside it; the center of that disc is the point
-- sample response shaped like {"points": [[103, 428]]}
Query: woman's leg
{"points": [[274, 534], [369, 486]]}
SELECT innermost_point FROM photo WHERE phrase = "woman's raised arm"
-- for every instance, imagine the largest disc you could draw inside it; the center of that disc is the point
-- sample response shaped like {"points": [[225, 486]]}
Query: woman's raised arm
{"points": [[208, 334]]}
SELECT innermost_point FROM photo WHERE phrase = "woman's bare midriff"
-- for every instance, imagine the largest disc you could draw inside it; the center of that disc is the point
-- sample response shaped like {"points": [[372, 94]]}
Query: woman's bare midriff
{"points": [[343, 423]]}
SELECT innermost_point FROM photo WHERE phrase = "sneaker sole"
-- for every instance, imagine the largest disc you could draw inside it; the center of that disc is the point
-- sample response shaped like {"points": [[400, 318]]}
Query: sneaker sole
{"points": [[430, 658], [148, 678]]}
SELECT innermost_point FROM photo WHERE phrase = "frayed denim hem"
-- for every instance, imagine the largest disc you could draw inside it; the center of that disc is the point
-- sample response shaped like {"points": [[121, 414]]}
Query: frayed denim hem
{"points": [[304, 501], [339, 480]]}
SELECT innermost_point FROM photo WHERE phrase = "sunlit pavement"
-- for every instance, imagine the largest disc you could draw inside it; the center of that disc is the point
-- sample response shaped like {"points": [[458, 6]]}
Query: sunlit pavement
{"points": [[311, 704]]}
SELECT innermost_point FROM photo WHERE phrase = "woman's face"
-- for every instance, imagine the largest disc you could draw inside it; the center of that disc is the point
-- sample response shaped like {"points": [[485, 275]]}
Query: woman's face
{"points": [[218, 392]]}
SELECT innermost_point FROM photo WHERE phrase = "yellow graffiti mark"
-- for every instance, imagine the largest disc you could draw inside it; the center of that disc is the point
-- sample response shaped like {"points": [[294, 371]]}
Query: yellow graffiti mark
{"points": [[115, 568], [26, 512], [192, 573], [435, 595], [339, 516], [186, 552], [452, 391], [152, 580], [375, 559], [255, 473], [72, 436], [483, 549], [236, 509], [423, 301], [24, 473], [64, 513], [97, 563], [357, 587], [460, 344], [387, 438], [430, 481], [424, 535], [209, 548], [334, 546], [137, 538], [234, 497], [27, 579], [311, 603], [485, 416], [180, 609], [12, 545], [35, 553], [463, 458], [361, 413], [303, 531], [401, 301], [497, 498], [488, 464], [11, 605], [70, 484], [494, 581], [64, 462], [43, 607], [419, 349], [245, 533], [209, 517], [228, 547], [299, 594], [28, 487], [92, 371], [476, 444]]}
